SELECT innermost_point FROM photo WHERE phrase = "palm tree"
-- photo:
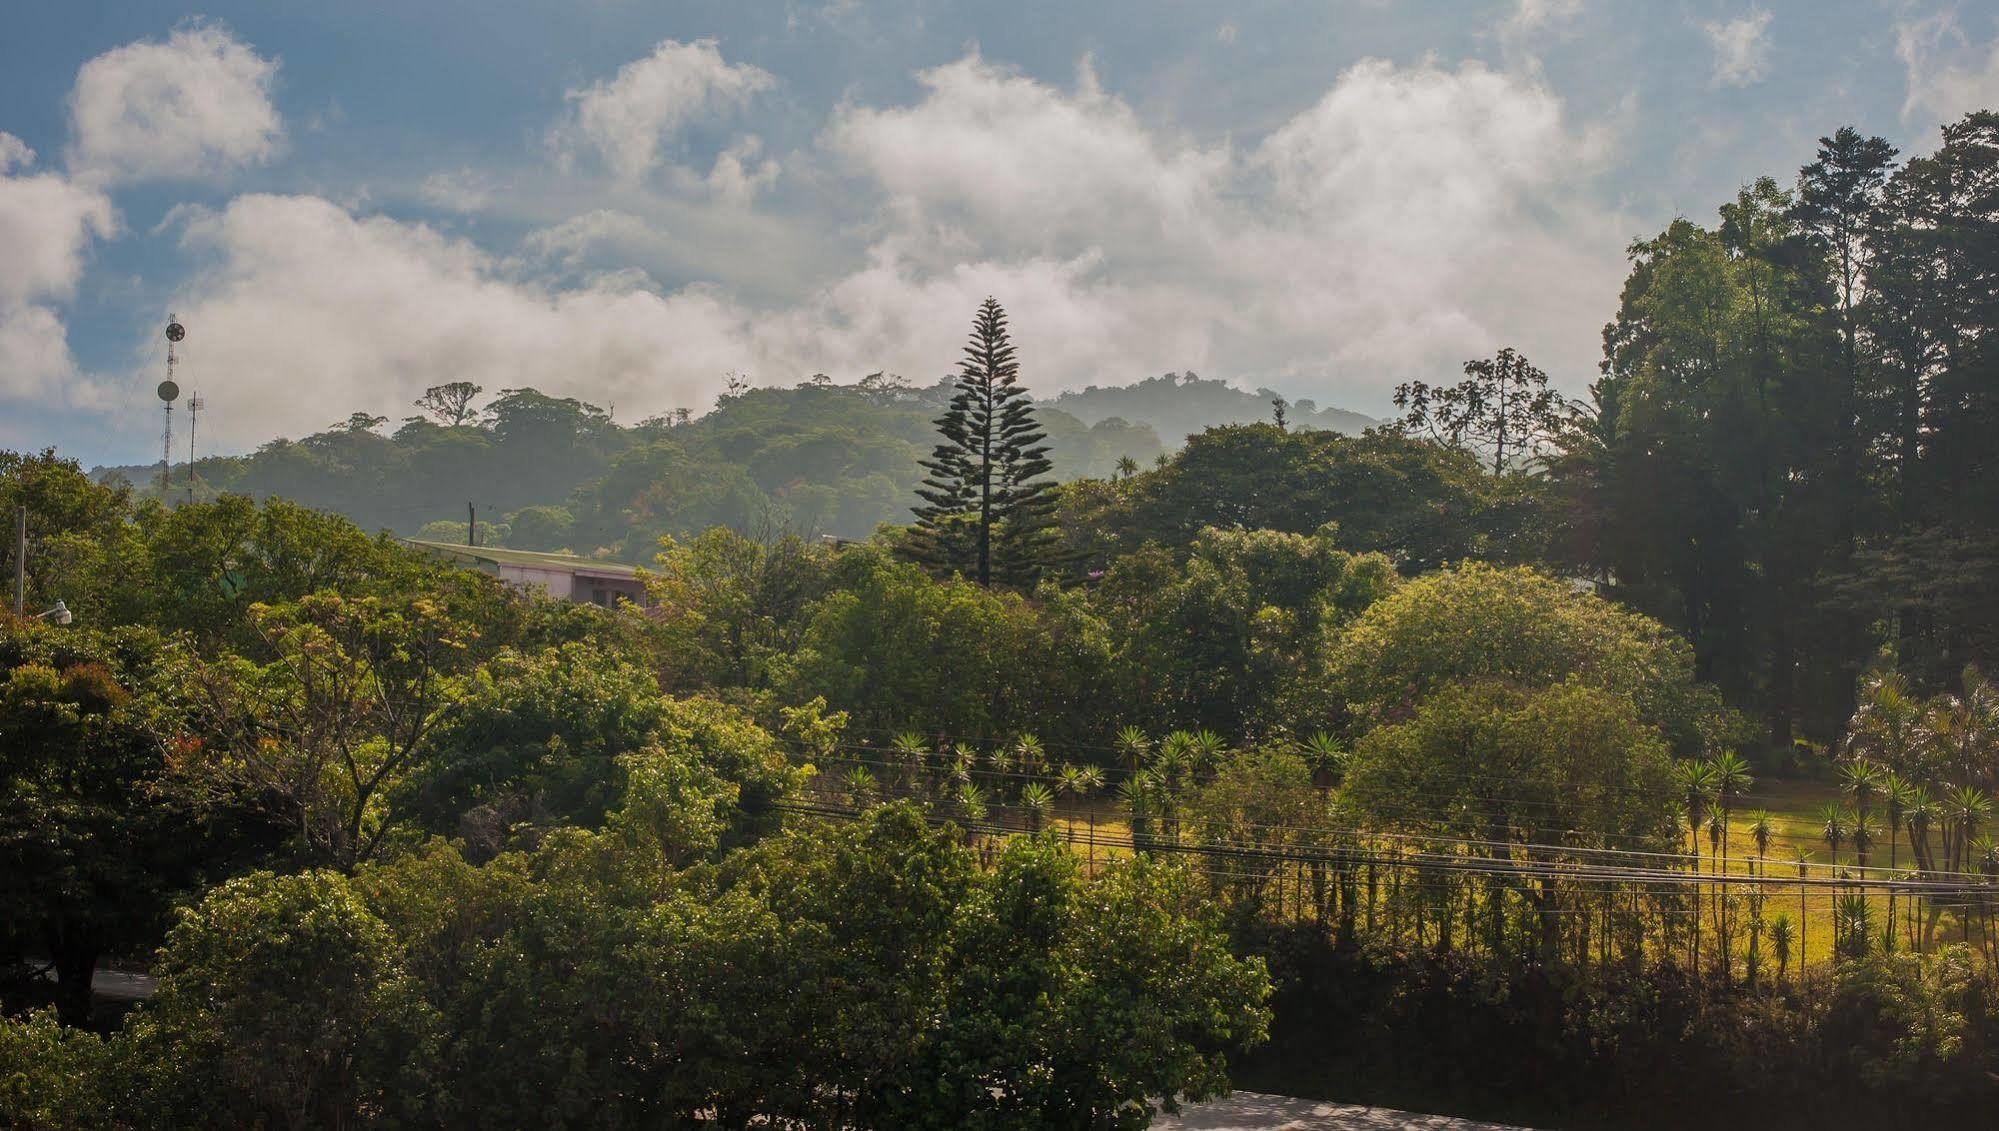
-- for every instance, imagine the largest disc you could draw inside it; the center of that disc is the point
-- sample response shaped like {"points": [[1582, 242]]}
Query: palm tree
{"points": [[1888, 725], [1762, 826], [1135, 794], [969, 802], [1965, 730], [1327, 758], [860, 787], [1832, 826], [1132, 746], [1037, 803], [1126, 467], [1029, 754], [1862, 832], [1853, 920], [910, 755], [1731, 780], [1089, 779], [1966, 809], [1861, 779], [1897, 797], [1696, 783], [1206, 749], [1000, 760], [1780, 941]]}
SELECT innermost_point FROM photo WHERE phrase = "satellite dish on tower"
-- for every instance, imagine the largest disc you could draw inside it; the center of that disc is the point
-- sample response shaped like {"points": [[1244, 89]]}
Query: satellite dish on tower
{"points": [[169, 391], [175, 331]]}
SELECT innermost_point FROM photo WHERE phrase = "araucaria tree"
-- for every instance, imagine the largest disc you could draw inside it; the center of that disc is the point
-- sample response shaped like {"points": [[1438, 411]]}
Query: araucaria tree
{"points": [[987, 502]]}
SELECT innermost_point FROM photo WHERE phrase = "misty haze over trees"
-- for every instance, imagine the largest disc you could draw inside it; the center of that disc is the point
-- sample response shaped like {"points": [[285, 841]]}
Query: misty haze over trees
{"points": [[819, 457]]}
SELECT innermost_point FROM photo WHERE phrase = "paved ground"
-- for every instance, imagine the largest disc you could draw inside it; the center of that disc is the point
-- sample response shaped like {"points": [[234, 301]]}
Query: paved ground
{"points": [[1250, 1111], [120, 986], [115, 985]]}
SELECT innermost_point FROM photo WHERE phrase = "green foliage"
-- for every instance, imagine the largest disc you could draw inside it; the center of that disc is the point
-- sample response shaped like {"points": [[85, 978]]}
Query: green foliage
{"points": [[321, 736], [1230, 637], [283, 1000], [1568, 764], [980, 662], [55, 1078], [1477, 623], [539, 528], [1421, 503], [730, 607], [1915, 1022], [533, 737], [93, 843]]}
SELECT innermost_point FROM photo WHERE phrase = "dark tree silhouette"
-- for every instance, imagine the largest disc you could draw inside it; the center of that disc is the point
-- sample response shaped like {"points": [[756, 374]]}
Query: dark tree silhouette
{"points": [[1503, 406], [987, 502], [450, 403]]}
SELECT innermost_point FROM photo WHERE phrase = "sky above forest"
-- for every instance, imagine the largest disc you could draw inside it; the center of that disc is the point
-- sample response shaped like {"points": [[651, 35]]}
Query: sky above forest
{"points": [[628, 202]]}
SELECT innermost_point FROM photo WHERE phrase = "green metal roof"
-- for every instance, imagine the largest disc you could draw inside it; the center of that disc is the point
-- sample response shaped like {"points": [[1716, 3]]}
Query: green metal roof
{"points": [[499, 555]]}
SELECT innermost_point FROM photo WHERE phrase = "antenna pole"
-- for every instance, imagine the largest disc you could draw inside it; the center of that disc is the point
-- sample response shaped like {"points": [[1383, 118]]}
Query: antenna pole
{"points": [[471, 524], [20, 561], [194, 407], [167, 450]]}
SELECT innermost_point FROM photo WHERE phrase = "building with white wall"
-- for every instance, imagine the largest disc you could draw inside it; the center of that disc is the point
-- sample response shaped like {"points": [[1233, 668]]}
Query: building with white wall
{"points": [[563, 577]]}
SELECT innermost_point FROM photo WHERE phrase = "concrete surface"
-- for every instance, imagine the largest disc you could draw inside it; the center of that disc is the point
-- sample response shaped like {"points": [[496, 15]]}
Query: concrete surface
{"points": [[1251, 1111]]}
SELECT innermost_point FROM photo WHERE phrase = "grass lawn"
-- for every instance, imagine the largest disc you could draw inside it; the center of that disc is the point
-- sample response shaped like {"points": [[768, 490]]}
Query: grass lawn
{"points": [[1793, 806]]}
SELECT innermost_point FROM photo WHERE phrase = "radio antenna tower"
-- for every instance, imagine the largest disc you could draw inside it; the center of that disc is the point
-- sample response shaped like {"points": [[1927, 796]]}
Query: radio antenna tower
{"points": [[169, 392], [194, 406]]}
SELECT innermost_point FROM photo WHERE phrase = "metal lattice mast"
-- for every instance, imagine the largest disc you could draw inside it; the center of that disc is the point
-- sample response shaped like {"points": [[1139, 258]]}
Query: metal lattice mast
{"points": [[169, 391]]}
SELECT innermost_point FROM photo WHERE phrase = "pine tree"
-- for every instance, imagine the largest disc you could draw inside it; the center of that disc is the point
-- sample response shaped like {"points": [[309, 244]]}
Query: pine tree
{"points": [[987, 505]]}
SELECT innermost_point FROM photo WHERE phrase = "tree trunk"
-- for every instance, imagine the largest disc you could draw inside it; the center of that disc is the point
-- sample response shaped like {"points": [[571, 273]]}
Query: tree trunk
{"points": [[75, 968]]}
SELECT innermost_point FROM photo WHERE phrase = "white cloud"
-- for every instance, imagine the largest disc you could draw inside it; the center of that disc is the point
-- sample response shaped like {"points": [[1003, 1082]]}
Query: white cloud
{"points": [[1528, 21], [461, 190], [1947, 76], [741, 171], [627, 118], [309, 313], [992, 148], [196, 105], [571, 241], [47, 223], [14, 151], [1741, 48], [1413, 217]]}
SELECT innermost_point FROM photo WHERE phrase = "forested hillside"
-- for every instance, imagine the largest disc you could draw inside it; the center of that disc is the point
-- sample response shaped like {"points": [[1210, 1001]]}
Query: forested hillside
{"points": [[1177, 405], [549, 473]]}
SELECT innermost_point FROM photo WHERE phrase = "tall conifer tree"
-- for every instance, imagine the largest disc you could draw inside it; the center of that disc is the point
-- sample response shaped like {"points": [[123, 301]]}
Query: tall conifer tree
{"points": [[987, 502]]}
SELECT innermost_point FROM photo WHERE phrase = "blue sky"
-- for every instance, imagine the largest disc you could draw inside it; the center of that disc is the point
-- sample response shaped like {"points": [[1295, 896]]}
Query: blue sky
{"points": [[629, 201]]}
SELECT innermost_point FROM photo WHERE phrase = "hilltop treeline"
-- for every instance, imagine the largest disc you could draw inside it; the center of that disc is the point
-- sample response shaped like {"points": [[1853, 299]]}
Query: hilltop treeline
{"points": [[549, 473]]}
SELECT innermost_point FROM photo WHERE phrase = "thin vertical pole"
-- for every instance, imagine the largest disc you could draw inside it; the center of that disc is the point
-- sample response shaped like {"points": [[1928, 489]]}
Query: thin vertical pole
{"points": [[167, 457], [20, 561], [471, 524], [193, 415]]}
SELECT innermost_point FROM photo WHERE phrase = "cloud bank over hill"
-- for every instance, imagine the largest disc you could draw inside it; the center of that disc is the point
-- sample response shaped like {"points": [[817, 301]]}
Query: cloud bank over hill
{"points": [[655, 220]]}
